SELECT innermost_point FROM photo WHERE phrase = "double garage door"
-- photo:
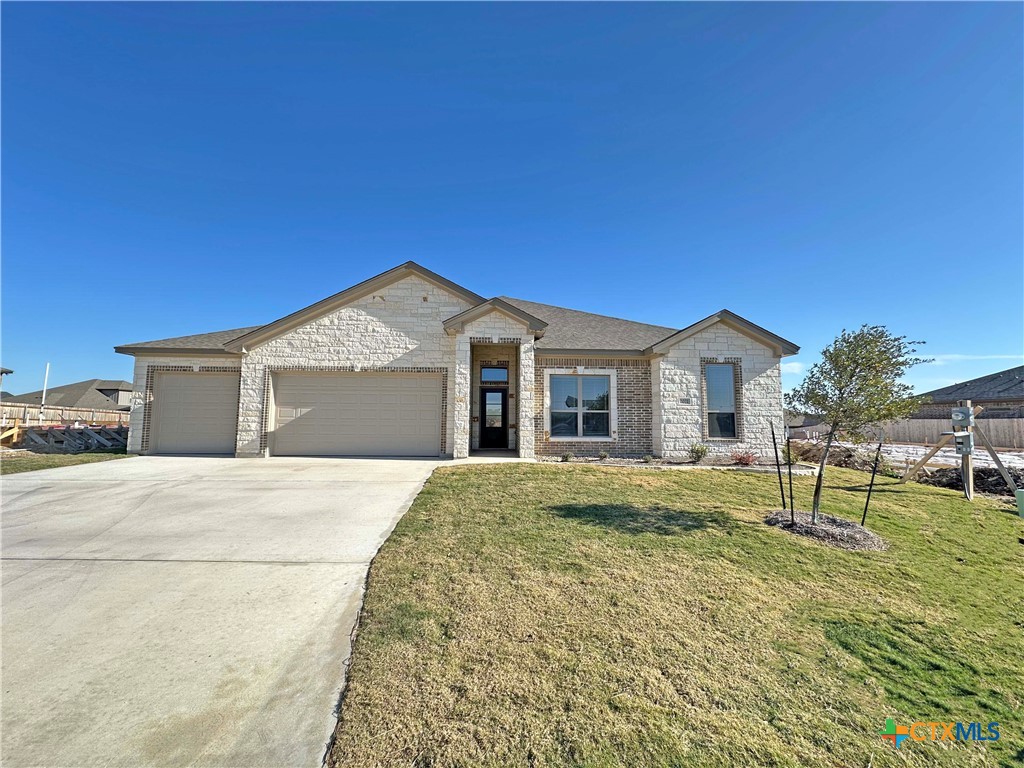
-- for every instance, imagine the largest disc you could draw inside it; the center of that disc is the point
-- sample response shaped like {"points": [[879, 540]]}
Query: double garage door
{"points": [[356, 414], [312, 414]]}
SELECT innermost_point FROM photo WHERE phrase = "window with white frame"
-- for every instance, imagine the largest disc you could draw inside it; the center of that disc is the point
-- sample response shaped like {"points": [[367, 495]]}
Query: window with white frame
{"points": [[580, 405], [720, 389]]}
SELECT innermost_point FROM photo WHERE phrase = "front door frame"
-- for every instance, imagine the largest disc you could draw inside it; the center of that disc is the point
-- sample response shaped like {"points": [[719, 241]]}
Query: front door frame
{"points": [[493, 438]]}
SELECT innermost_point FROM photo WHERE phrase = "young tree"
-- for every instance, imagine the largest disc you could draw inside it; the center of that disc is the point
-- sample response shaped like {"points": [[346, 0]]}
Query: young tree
{"points": [[857, 384]]}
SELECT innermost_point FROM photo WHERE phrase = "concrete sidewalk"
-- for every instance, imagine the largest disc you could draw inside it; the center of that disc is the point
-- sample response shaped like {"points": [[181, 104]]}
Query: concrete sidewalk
{"points": [[186, 611]]}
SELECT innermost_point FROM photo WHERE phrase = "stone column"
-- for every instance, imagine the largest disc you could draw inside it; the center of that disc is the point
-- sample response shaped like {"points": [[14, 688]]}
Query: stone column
{"points": [[460, 404], [525, 397], [252, 396], [657, 409]]}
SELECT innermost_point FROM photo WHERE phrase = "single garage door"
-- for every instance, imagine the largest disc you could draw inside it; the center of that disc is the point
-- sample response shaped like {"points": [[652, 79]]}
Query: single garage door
{"points": [[357, 414], [194, 413]]}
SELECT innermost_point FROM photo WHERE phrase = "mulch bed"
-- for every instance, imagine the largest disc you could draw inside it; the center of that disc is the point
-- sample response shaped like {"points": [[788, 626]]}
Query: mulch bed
{"points": [[986, 479], [834, 531]]}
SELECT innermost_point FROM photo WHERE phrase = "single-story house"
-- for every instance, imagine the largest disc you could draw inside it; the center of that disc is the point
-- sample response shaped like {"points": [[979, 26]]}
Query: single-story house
{"points": [[1000, 393], [98, 394], [408, 363]]}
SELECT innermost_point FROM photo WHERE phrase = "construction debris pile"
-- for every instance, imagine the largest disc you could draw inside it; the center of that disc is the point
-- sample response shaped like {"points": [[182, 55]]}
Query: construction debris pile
{"points": [[986, 480], [843, 456]]}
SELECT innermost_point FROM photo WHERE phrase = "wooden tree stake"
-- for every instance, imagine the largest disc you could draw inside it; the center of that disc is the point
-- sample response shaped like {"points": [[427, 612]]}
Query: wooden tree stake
{"points": [[995, 457]]}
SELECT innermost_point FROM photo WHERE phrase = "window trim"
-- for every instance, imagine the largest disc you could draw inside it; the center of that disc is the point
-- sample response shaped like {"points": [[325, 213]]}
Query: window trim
{"points": [[737, 388], [613, 409]]}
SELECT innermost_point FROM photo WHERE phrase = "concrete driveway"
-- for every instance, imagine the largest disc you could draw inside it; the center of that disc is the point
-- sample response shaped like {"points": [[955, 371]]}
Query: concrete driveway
{"points": [[172, 611]]}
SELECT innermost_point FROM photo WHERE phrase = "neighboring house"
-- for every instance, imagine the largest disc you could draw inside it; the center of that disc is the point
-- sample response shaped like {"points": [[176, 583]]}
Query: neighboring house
{"points": [[410, 364], [803, 426], [797, 420], [4, 372], [1001, 394], [98, 394]]}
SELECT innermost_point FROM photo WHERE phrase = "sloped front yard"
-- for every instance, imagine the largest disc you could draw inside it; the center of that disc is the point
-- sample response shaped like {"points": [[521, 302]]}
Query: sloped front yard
{"points": [[530, 615]]}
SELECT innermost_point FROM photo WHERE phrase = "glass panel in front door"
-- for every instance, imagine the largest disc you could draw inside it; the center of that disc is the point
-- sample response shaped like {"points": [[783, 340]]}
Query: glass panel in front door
{"points": [[493, 416]]}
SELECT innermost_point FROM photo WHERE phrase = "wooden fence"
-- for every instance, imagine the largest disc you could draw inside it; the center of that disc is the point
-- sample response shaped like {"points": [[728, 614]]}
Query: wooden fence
{"points": [[1003, 433], [28, 414]]}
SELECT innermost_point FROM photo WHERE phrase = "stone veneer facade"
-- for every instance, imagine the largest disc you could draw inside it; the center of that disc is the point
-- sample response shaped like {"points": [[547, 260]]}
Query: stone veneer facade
{"points": [[678, 393], [396, 328], [493, 328], [659, 401]]}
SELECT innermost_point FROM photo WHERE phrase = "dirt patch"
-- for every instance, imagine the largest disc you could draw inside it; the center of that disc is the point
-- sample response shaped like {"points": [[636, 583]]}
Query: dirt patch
{"points": [[862, 458], [834, 531], [985, 480]]}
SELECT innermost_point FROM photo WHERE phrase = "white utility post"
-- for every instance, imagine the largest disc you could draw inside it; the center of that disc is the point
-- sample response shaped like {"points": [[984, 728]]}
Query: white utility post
{"points": [[42, 403]]}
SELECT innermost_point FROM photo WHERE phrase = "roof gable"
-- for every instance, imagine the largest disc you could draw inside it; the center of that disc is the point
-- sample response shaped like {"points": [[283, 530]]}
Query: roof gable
{"points": [[457, 322], [337, 301], [781, 346]]}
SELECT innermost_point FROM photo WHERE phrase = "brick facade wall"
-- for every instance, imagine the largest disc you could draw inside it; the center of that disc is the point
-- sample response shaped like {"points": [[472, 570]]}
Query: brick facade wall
{"points": [[633, 401]]}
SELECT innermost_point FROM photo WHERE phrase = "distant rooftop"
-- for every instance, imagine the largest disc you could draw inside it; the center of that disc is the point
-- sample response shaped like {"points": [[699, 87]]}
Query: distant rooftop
{"points": [[1004, 385], [80, 394]]}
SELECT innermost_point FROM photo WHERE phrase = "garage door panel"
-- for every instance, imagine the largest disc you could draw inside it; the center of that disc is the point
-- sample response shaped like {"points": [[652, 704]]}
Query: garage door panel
{"points": [[352, 414], [194, 413]]}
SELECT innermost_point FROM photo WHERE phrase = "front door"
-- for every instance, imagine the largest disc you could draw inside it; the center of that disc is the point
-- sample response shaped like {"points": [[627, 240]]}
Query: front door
{"points": [[493, 418]]}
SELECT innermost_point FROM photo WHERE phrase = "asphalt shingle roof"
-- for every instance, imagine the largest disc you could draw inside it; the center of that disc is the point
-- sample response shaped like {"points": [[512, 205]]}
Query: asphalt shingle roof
{"points": [[574, 329], [213, 340], [1004, 385], [80, 394], [567, 329]]}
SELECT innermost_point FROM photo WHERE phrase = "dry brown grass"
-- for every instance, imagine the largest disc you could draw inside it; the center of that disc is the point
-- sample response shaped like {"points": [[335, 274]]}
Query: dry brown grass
{"points": [[578, 616], [12, 462]]}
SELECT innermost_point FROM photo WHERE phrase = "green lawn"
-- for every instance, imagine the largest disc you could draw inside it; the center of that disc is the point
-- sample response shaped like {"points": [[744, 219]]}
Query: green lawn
{"points": [[27, 462], [531, 615]]}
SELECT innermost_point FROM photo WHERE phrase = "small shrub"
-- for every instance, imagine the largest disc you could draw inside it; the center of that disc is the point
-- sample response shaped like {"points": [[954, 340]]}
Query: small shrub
{"points": [[744, 458], [602, 455], [648, 459], [568, 456], [697, 452]]}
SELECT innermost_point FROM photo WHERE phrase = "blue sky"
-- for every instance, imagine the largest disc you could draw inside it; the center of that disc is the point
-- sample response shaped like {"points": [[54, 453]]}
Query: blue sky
{"points": [[180, 168]]}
